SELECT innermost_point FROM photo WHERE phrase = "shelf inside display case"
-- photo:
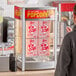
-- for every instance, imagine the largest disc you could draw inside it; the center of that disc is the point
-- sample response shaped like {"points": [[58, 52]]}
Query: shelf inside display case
{"points": [[36, 64]]}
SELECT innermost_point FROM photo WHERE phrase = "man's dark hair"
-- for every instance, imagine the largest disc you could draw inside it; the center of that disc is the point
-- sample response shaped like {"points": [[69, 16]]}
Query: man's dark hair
{"points": [[74, 10]]}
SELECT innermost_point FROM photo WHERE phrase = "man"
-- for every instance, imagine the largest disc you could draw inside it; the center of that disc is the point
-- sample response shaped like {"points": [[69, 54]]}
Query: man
{"points": [[66, 65]]}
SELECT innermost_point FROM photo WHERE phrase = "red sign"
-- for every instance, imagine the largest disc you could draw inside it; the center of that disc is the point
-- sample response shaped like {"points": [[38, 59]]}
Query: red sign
{"points": [[17, 12], [34, 14], [67, 7], [39, 14]]}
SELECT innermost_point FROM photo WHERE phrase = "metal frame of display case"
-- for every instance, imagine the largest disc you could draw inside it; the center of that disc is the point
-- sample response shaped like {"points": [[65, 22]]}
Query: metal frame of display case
{"points": [[24, 38]]}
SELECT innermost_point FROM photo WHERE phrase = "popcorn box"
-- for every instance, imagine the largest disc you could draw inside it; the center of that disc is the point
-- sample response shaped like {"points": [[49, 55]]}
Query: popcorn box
{"points": [[44, 47], [31, 29], [44, 29], [31, 47]]}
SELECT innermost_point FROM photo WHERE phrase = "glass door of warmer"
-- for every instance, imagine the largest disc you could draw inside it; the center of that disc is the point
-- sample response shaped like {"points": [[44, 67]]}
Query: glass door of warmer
{"points": [[39, 44], [40, 40], [35, 38]]}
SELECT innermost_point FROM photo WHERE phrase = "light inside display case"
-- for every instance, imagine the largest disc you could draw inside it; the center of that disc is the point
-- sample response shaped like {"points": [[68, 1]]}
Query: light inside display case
{"points": [[39, 37]]}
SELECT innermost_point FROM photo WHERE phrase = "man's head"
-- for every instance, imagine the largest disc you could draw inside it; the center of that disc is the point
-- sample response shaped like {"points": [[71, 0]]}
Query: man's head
{"points": [[74, 14]]}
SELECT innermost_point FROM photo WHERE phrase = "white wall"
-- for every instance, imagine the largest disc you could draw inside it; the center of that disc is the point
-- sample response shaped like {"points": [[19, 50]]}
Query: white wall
{"points": [[9, 9], [46, 2]]}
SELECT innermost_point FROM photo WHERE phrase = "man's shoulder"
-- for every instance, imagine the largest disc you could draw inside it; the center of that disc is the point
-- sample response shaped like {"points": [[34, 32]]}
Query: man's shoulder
{"points": [[68, 35], [67, 38]]}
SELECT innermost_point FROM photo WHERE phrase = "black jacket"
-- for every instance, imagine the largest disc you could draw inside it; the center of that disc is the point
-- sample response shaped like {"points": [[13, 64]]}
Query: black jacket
{"points": [[66, 64]]}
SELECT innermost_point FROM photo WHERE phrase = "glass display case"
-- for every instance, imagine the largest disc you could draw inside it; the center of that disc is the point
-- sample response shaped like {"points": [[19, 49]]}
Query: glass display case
{"points": [[36, 37]]}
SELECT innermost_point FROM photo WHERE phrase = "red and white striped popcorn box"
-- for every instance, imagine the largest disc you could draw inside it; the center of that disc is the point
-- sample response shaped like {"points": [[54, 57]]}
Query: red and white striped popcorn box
{"points": [[44, 29], [44, 47], [31, 47], [31, 29]]}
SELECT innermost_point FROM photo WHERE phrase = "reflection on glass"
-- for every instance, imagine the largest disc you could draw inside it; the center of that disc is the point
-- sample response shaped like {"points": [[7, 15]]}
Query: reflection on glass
{"points": [[39, 40]]}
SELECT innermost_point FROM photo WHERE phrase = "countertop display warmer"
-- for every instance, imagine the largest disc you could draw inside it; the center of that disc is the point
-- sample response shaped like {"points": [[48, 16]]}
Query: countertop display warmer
{"points": [[36, 37]]}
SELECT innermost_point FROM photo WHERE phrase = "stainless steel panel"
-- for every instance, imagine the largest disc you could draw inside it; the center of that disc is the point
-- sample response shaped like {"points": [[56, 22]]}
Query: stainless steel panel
{"points": [[4, 63]]}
